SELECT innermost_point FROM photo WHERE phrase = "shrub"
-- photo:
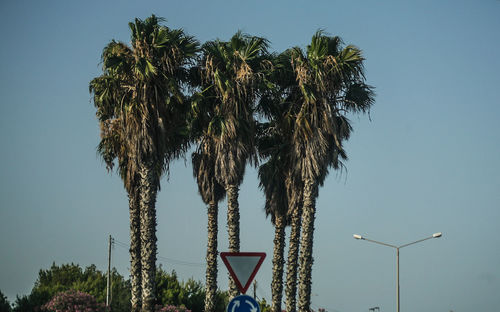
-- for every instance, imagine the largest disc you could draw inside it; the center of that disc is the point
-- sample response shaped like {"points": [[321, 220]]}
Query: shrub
{"points": [[59, 278], [170, 292], [171, 308], [73, 301]]}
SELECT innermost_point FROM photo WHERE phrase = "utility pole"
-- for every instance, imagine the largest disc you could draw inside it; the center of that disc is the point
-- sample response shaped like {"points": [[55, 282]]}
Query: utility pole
{"points": [[255, 289], [108, 287]]}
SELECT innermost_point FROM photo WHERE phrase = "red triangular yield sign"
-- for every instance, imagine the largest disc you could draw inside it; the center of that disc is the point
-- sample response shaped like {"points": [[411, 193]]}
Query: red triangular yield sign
{"points": [[243, 267]]}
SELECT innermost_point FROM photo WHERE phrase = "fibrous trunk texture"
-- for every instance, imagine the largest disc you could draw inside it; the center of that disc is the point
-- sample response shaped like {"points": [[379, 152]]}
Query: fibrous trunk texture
{"points": [[233, 228], [293, 258], [306, 246], [211, 273], [148, 235], [135, 251], [278, 263]]}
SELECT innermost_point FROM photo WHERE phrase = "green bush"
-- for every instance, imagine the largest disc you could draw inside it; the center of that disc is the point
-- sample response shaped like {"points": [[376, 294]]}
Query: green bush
{"points": [[190, 294], [170, 291], [71, 276]]}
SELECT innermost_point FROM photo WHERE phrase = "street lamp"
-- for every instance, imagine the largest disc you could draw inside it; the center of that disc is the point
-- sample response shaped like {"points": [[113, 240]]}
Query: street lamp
{"points": [[435, 235]]}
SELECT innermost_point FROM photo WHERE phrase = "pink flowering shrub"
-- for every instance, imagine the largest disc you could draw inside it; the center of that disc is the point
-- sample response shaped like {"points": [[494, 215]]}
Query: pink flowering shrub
{"points": [[73, 301], [171, 308]]}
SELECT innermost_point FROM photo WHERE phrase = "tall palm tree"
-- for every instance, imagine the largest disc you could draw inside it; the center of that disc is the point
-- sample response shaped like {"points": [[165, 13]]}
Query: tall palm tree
{"points": [[231, 70], [141, 88], [274, 144], [113, 146], [272, 181], [211, 191], [331, 83], [278, 104], [295, 190]]}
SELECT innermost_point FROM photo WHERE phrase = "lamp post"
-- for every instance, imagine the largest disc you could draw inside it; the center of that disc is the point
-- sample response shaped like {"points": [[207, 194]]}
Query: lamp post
{"points": [[435, 235]]}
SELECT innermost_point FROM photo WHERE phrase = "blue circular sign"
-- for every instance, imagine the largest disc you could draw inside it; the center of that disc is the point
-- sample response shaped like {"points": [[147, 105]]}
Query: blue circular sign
{"points": [[243, 303]]}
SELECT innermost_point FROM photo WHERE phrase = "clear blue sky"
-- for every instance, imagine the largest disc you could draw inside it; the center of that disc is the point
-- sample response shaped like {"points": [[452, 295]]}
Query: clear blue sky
{"points": [[427, 161]]}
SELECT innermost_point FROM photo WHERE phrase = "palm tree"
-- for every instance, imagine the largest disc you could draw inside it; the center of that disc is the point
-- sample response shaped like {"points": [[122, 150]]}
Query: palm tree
{"points": [[211, 193], [272, 181], [330, 80], [278, 104], [231, 70], [203, 160], [113, 146], [141, 88], [295, 190], [274, 144]]}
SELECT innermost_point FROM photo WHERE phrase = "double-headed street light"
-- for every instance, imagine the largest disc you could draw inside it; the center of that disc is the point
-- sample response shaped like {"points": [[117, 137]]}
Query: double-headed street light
{"points": [[435, 235]]}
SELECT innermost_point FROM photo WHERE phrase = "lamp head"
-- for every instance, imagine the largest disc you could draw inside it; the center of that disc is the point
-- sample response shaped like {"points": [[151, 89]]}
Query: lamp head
{"points": [[436, 235], [357, 236]]}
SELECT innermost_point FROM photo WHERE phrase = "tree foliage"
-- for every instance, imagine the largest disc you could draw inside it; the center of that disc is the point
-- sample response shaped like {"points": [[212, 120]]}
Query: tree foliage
{"points": [[189, 294], [141, 92], [71, 283], [66, 277], [305, 97], [264, 306], [330, 84], [4, 303]]}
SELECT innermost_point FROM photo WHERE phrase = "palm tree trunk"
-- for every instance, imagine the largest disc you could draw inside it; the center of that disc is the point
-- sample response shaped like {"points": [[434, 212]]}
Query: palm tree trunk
{"points": [[293, 257], [233, 228], [211, 273], [306, 246], [149, 189], [135, 251], [278, 263]]}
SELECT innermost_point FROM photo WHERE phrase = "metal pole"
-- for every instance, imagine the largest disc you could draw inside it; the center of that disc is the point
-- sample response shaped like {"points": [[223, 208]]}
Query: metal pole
{"points": [[397, 256], [255, 289], [435, 235], [109, 272]]}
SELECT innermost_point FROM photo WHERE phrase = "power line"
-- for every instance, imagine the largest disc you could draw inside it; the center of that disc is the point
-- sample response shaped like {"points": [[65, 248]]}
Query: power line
{"points": [[117, 242], [164, 259], [181, 262]]}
